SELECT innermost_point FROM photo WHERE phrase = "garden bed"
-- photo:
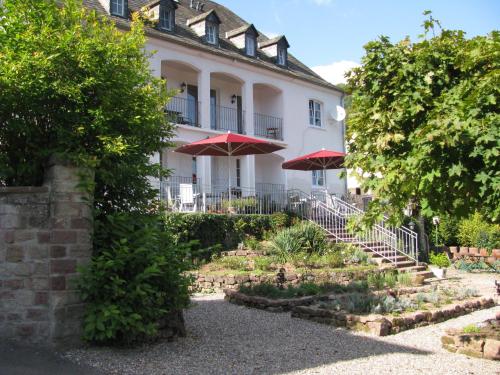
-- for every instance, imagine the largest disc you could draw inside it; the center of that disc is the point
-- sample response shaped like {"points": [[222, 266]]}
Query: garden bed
{"points": [[383, 325], [480, 341]]}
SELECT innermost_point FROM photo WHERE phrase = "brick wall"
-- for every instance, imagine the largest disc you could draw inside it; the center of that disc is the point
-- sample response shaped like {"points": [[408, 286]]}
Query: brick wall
{"points": [[45, 233]]}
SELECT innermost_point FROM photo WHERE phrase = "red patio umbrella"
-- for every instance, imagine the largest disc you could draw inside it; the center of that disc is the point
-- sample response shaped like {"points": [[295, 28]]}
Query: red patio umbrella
{"points": [[319, 160], [229, 145]]}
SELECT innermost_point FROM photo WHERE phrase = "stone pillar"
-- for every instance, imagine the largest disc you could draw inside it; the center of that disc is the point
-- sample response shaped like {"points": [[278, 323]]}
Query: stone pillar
{"points": [[70, 246], [45, 233]]}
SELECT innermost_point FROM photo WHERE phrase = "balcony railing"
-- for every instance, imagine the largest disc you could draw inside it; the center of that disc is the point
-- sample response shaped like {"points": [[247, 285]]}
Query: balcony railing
{"points": [[227, 119], [268, 126], [183, 111]]}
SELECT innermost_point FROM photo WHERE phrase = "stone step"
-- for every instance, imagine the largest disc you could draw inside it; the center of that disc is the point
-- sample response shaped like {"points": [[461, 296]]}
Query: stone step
{"points": [[390, 259], [413, 269]]}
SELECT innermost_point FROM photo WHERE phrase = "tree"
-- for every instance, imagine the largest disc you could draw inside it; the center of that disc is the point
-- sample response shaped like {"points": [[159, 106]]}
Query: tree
{"points": [[74, 85], [424, 126]]}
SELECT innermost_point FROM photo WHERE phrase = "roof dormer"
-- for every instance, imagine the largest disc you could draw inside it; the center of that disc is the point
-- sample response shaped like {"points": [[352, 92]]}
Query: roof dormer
{"points": [[206, 25], [245, 38], [166, 16], [276, 48], [118, 8]]}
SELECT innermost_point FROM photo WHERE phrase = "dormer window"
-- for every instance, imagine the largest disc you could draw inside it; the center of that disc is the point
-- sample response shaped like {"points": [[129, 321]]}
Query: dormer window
{"points": [[245, 38], [167, 17], [206, 26], [250, 45], [276, 48], [117, 7], [281, 59], [212, 33]]}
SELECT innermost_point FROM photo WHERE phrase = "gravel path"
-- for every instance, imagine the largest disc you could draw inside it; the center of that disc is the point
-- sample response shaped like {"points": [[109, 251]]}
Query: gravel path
{"points": [[229, 339]]}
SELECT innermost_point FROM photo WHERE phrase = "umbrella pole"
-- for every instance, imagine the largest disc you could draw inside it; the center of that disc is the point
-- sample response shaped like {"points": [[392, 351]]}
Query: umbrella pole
{"points": [[229, 180]]}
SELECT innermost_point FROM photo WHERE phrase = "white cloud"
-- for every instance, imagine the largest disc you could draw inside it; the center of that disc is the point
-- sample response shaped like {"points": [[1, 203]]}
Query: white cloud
{"points": [[334, 72]]}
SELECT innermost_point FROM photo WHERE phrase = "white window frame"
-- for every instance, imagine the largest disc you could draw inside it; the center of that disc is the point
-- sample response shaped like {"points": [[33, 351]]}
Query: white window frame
{"points": [[211, 33], [166, 18], [116, 6], [250, 45], [281, 58], [315, 108], [317, 177]]}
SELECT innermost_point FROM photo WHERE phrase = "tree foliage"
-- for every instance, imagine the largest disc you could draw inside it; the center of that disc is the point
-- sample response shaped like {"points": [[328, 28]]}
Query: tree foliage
{"points": [[424, 124], [72, 84]]}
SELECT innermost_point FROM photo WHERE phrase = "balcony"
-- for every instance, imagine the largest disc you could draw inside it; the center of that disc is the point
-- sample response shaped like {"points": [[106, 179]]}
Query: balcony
{"points": [[227, 119], [183, 111], [268, 126]]}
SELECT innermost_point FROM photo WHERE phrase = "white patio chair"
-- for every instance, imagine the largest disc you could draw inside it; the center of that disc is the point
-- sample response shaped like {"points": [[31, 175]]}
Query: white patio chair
{"points": [[187, 198]]}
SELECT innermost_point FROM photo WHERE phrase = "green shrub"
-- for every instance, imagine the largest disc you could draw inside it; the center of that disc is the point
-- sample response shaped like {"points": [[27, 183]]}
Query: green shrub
{"points": [[263, 263], [390, 279], [471, 328], [234, 263], [133, 281], [314, 238], [216, 232], [286, 243], [476, 232], [252, 243], [280, 220], [355, 255], [375, 280], [440, 260], [272, 291], [405, 279]]}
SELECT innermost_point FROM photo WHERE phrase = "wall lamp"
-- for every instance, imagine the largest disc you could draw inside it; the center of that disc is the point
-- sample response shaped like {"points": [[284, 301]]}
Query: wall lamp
{"points": [[183, 86], [233, 99]]}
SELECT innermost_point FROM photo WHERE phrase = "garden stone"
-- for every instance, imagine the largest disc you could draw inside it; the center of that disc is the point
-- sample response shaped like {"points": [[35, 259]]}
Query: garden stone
{"points": [[492, 349]]}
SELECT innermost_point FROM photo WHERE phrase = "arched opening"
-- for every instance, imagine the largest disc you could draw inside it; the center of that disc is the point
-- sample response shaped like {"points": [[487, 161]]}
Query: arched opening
{"points": [[226, 103], [183, 109], [268, 111]]}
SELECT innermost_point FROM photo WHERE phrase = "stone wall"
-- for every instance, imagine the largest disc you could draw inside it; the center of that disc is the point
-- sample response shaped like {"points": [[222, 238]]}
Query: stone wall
{"points": [[217, 283], [45, 234]]}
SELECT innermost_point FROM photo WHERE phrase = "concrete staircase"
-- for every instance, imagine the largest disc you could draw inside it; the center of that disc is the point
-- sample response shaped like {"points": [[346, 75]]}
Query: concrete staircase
{"points": [[381, 253]]}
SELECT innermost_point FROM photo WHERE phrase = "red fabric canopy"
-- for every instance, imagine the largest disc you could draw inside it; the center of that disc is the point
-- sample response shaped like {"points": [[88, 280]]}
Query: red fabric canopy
{"points": [[229, 145], [319, 160]]}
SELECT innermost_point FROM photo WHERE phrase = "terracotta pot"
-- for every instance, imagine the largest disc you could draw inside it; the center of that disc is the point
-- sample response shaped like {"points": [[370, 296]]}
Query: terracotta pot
{"points": [[419, 280], [473, 251], [483, 252], [464, 250], [454, 249]]}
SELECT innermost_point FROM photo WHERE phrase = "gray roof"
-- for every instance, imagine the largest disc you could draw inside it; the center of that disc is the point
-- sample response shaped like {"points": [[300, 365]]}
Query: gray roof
{"points": [[230, 21]]}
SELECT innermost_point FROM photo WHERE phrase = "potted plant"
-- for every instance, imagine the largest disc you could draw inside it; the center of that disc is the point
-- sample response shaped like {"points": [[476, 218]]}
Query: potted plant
{"points": [[439, 262]]}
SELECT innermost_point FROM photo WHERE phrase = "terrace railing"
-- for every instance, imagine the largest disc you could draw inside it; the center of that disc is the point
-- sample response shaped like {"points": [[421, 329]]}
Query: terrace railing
{"points": [[268, 126], [227, 119], [183, 111]]}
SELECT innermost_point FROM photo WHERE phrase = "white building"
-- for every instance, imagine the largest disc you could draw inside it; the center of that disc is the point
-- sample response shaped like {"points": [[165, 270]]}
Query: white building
{"points": [[230, 77]]}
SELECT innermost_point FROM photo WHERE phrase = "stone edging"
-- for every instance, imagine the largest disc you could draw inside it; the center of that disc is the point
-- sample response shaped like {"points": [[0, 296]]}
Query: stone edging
{"points": [[383, 325], [273, 305], [479, 345]]}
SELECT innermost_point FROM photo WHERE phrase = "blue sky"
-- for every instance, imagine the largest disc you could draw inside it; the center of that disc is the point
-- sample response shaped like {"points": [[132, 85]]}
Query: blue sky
{"points": [[331, 33]]}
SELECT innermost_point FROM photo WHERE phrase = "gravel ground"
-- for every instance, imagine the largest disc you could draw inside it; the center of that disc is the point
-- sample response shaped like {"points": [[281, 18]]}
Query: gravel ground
{"points": [[229, 339]]}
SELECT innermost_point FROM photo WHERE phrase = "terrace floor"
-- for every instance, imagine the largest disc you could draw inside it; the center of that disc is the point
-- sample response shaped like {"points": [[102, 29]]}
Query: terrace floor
{"points": [[227, 339]]}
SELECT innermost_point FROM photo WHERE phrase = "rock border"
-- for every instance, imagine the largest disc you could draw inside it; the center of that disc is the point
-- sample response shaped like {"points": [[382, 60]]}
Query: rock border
{"points": [[269, 304], [383, 325]]}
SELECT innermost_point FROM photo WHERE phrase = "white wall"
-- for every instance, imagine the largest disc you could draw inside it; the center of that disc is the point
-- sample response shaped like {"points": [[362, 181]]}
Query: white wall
{"points": [[292, 105]]}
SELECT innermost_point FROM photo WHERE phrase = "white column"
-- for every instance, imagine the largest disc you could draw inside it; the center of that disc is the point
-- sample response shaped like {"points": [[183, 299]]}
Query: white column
{"points": [[205, 172], [204, 97], [248, 165]]}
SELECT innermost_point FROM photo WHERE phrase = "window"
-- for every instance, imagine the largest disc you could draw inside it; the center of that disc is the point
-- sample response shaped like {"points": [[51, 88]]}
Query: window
{"points": [[118, 7], [318, 178], [194, 171], [238, 173], [314, 113], [166, 16], [250, 45], [211, 33], [281, 56]]}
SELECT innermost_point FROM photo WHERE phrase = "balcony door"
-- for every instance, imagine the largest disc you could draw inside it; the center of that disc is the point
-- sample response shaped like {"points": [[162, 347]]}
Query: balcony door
{"points": [[213, 109], [192, 105], [239, 112]]}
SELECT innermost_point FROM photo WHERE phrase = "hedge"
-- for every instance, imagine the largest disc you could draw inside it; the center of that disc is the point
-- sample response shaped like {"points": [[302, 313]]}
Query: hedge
{"points": [[216, 232]]}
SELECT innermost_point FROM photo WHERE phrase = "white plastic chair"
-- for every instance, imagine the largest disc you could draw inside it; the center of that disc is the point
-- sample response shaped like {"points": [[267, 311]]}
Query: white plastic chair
{"points": [[187, 198]]}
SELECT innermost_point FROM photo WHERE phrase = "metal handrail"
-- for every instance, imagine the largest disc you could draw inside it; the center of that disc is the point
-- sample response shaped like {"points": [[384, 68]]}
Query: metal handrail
{"points": [[183, 111], [333, 216], [268, 126]]}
